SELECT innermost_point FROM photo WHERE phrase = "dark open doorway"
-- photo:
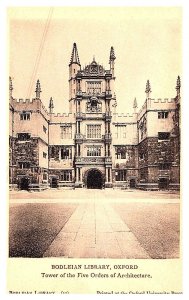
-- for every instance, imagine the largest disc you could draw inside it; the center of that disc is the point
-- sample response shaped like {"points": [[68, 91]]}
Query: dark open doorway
{"points": [[132, 183], [54, 182], [163, 183], [94, 179], [24, 183]]}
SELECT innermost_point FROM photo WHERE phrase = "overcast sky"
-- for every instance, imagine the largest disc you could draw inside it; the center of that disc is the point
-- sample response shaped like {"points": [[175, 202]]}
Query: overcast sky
{"points": [[147, 44]]}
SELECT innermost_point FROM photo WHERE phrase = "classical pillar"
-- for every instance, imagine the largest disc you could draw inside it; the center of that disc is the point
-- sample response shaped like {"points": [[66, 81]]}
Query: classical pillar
{"points": [[108, 150], [76, 175], [76, 127], [59, 151], [73, 175], [110, 174], [76, 106], [105, 150], [106, 174], [81, 175], [76, 150]]}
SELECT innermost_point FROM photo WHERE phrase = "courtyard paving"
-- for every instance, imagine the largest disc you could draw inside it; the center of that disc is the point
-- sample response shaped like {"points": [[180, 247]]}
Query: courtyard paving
{"points": [[85, 194], [94, 224]]}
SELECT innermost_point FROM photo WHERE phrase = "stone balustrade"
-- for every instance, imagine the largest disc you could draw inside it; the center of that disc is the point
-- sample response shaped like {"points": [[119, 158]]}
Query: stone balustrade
{"points": [[93, 160]]}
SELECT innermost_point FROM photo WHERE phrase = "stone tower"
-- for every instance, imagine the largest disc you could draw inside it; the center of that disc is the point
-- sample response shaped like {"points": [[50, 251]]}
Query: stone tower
{"points": [[92, 96]]}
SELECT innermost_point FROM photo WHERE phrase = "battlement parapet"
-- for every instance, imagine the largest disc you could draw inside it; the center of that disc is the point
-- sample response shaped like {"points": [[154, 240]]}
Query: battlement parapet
{"points": [[161, 103], [62, 117], [30, 105], [120, 115], [21, 100], [163, 100], [156, 104], [125, 118], [62, 114]]}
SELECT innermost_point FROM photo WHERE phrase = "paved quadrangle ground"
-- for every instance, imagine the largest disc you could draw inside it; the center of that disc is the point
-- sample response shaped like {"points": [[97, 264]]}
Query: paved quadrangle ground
{"points": [[83, 194], [94, 224]]}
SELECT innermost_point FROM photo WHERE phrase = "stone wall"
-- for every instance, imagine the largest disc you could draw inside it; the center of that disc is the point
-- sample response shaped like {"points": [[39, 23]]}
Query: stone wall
{"points": [[158, 160], [26, 152]]}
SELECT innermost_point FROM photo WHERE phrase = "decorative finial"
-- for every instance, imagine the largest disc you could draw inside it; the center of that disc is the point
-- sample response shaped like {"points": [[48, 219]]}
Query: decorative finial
{"points": [[112, 54], [51, 106], [148, 89], [74, 56], [178, 86], [38, 89]]}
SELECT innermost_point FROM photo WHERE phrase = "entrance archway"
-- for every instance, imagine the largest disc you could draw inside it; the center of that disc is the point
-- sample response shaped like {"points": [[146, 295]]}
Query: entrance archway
{"points": [[24, 183], [94, 179]]}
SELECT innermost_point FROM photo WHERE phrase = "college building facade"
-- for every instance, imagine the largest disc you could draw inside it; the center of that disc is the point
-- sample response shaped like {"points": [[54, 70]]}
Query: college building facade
{"points": [[93, 146]]}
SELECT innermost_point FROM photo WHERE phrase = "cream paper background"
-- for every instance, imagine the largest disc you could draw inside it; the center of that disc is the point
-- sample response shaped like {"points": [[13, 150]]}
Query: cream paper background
{"points": [[24, 274], [147, 43]]}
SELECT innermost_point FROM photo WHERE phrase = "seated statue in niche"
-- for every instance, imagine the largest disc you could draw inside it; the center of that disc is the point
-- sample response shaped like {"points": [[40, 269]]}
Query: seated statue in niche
{"points": [[94, 105]]}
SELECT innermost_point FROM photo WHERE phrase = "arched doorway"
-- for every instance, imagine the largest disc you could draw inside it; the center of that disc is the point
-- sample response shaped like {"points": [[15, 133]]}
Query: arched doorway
{"points": [[24, 183], [94, 179]]}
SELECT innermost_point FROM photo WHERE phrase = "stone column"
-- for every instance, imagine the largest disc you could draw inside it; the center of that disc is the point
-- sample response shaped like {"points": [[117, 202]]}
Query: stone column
{"points": [[106, 150], [111, 175], [76, 175], [59, 153], [72, 175], [106, 174], [81, 175], [76, 149], [76, 127]]}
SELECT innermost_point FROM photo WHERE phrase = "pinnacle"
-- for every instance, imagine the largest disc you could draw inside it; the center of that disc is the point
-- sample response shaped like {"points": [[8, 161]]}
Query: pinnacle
{"points": [[74, 55], [148, 87], [135, 105], [10, 84], [178, 83], [38, 86], [112, 54], [51, 105]]}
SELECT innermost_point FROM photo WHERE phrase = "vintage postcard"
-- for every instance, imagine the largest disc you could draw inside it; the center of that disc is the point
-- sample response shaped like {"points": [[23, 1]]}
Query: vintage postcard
{"points": [[94, 150]]}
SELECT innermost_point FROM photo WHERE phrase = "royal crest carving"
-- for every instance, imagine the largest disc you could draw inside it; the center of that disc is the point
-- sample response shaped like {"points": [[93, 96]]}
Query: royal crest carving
{"points": [[93, 69], [93, 105]]}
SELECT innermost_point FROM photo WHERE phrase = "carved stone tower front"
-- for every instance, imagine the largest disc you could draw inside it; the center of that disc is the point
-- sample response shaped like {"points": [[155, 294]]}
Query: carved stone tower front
{"points": [[91, 99]]}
